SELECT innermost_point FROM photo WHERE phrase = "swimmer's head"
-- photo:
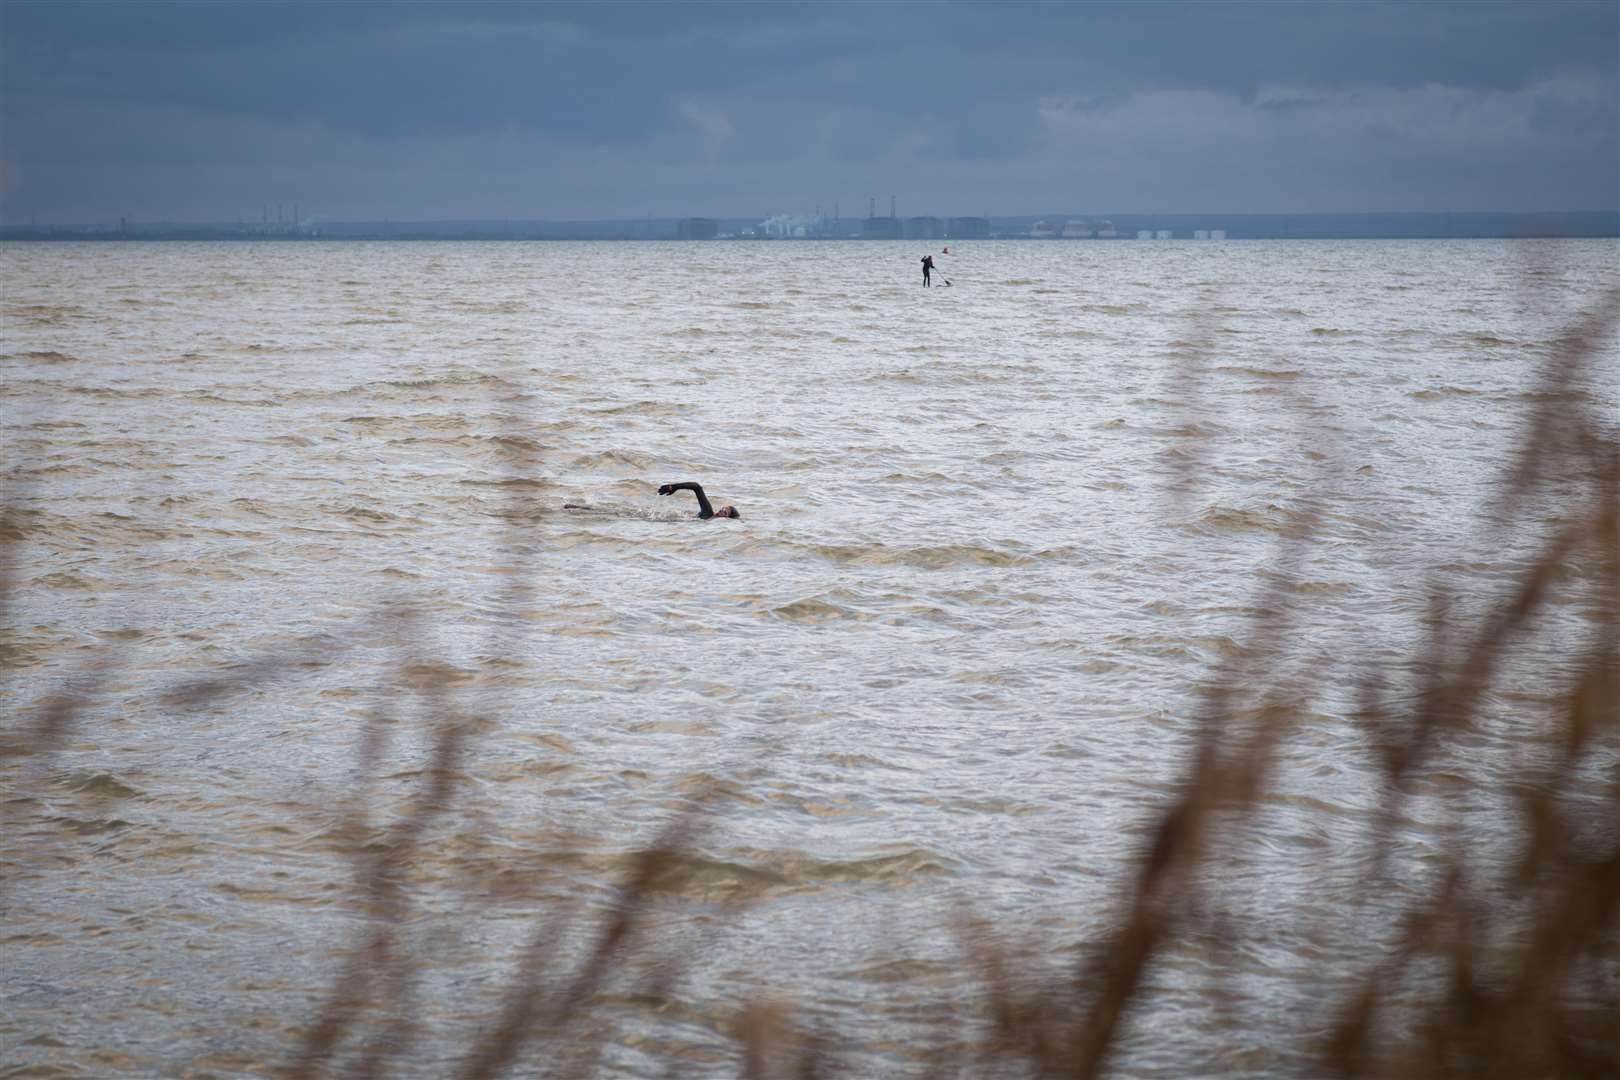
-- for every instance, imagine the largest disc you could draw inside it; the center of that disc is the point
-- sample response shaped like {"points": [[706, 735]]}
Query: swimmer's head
{"points": [[727, 511]]}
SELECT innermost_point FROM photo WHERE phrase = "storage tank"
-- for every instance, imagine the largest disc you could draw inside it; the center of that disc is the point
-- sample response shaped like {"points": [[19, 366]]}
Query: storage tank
{"points": [[923, 228]]}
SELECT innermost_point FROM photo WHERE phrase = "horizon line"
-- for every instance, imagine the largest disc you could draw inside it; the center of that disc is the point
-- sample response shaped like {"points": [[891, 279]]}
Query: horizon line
{"points": [[241, 222]]}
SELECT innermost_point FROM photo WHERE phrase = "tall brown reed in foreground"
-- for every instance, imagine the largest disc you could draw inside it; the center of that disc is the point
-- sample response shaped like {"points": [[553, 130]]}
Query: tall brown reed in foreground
{"points": [[1533, 992], [1493, 974]]}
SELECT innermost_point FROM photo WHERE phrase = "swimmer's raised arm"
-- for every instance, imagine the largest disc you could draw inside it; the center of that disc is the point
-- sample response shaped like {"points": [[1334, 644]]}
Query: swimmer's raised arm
{"points": [[705, 511]]}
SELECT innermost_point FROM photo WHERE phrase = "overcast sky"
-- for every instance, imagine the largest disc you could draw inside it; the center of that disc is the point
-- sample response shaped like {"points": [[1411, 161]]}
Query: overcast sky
{"points": [[208, 111]]}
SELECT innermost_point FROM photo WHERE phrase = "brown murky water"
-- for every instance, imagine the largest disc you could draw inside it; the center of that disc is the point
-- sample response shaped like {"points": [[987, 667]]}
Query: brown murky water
{"points": [[948, 652]]}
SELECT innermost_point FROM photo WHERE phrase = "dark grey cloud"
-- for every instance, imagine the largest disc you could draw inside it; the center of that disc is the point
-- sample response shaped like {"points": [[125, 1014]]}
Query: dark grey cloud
{"points": [[204, 111]]}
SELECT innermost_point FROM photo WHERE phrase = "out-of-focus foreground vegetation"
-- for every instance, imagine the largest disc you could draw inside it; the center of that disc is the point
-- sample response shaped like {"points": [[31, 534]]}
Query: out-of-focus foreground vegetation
{"points": [[1504, 967]]}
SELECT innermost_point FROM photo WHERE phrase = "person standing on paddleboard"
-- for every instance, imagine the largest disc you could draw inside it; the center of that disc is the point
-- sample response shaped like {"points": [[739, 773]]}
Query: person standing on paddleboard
{"points": [[928, 268]]}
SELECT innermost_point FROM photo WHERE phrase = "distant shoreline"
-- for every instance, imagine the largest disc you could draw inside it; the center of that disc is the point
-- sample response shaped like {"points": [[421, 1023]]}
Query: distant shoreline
{"points": [[1587, 224], [1549, 225]]}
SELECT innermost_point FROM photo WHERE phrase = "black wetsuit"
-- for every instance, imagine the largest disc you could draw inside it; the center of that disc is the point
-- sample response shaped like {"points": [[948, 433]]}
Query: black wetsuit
{"points": [[928, 266], [705, 511]]}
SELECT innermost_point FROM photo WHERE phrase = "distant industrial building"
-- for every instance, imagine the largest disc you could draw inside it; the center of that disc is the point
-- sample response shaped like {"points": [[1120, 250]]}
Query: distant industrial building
{"points": [[697, 228], [1217, 234], [969, 228], [793, 227], [923, 228], [882, 228], [1162, 234], [1076, 230], [1106, 231], [1042, 230], [1144, 234], [1200, 234]]}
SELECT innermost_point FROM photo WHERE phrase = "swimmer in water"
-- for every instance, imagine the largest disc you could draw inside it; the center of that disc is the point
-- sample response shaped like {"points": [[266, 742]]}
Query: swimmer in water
{"points": [[705, 511]]}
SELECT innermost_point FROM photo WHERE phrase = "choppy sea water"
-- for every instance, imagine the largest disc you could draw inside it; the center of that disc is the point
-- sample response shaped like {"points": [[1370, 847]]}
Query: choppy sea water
{"points": [[994, 536]]}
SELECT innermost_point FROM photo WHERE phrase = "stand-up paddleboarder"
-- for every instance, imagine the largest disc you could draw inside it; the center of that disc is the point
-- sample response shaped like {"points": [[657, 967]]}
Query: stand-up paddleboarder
{"points": [[928, 268]]}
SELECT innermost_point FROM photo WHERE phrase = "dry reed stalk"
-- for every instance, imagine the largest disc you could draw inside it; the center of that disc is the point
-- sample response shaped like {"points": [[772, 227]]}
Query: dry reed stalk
{"points": [[1517, 1010], [382, 878], [531, 1011], [774, 1048], [1517, 1025], [55, 718]]}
